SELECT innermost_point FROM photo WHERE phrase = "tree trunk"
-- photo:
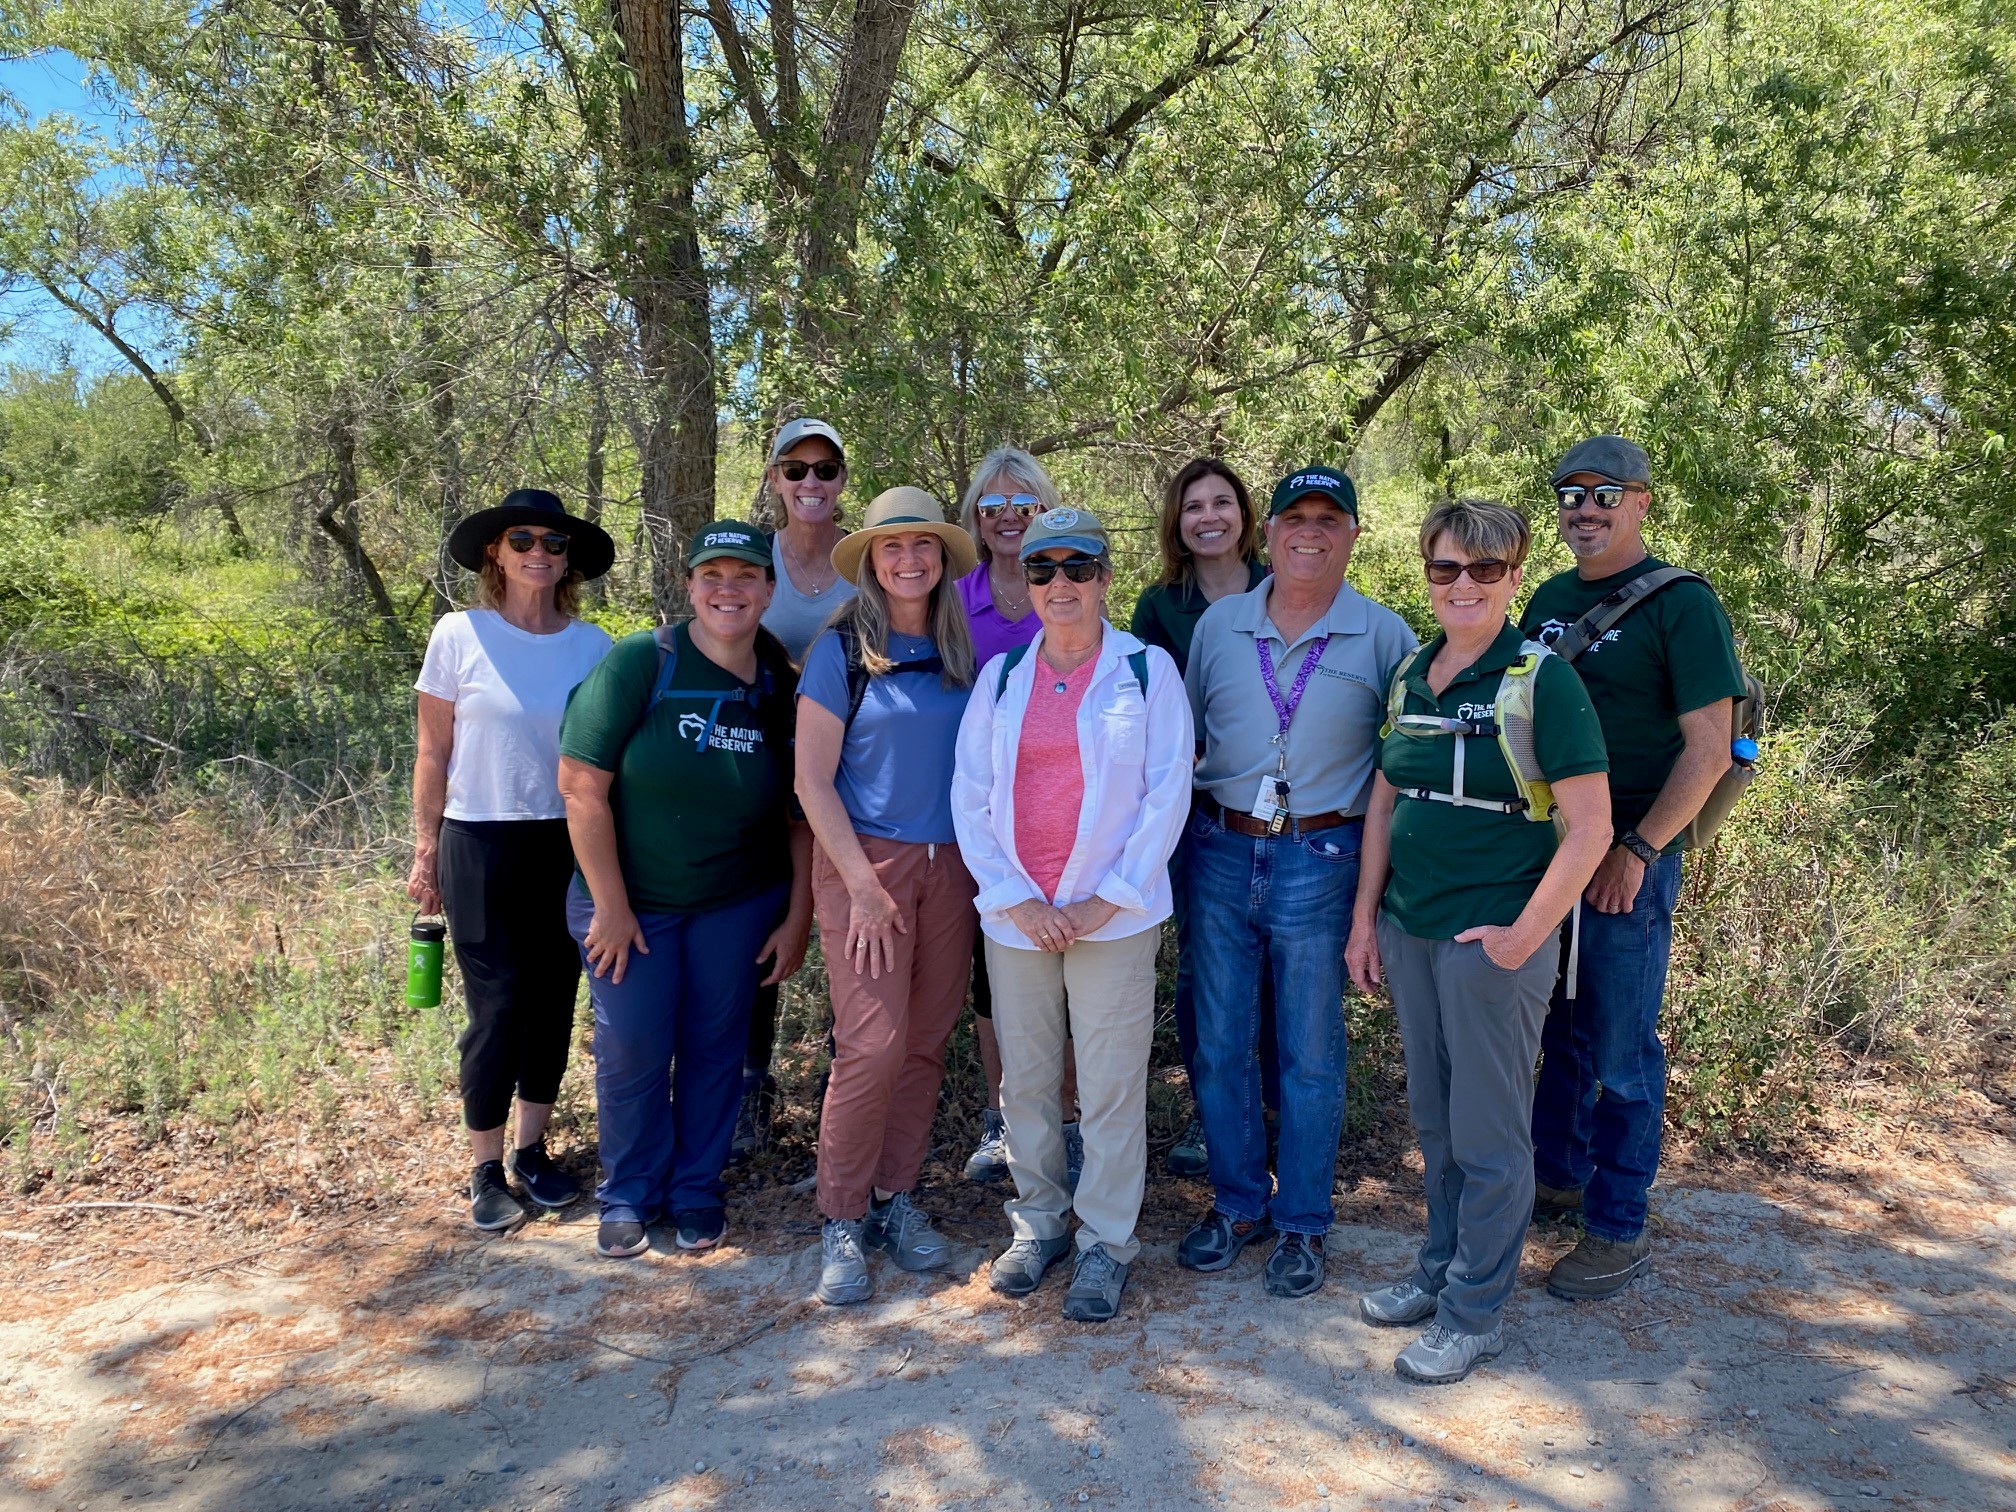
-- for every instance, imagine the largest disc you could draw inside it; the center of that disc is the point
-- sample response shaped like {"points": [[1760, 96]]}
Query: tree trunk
{"points": [[666, 285], [341, 521], [441, 406], [598, 462]]}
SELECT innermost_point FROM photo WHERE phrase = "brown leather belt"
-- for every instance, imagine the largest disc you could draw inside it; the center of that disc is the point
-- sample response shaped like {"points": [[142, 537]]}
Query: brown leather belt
{"points": [[1246, 824]]}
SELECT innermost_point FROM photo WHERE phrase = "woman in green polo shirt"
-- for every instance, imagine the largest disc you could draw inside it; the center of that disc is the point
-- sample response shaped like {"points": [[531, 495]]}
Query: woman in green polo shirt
{"points": [[1462, 890], [675, 762]]}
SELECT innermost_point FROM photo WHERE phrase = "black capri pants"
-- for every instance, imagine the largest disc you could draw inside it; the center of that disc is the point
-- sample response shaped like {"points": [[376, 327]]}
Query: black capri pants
{"points": [[504, 889]]}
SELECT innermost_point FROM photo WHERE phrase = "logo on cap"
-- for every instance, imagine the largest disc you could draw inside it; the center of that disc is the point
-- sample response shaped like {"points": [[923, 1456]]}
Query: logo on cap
{"points": [[1313, 480], [1061, 519], [722, 538]]}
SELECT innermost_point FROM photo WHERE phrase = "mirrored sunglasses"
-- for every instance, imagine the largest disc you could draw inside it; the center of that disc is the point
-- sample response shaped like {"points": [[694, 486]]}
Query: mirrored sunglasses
{"points": [[1603, 495], [990, 506]]}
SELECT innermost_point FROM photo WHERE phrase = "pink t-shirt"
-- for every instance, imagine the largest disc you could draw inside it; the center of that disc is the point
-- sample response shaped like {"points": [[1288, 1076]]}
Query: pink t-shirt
{"points": [[1049, 774]]}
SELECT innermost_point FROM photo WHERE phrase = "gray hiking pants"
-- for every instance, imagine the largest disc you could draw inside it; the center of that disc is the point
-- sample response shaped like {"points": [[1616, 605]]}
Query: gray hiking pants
{"points": [[1472, 1033]]}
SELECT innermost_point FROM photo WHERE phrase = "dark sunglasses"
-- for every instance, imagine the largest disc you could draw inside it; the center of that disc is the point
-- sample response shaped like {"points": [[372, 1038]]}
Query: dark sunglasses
{"points": [[1079, 569], [522, 541], [989, 507], [1603, 495], [1442, 572], [825, 472]]}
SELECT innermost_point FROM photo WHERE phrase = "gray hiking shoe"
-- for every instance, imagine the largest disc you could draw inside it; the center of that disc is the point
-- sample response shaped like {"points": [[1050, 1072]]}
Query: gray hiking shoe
{"points": [[1553, 1203], [904, 1230], [1019, 1269], [1295, 1269], [1188, 1157], [1599, 1267], [843, 1269], [989, 1160], [1390, 1306], [1074, 1155], [1096, 1283], [1440, 1357]]}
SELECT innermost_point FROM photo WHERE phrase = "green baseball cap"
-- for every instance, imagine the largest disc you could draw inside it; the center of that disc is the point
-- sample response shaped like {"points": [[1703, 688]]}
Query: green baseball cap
{"points": [[1326, 482], [1079, 529], [728, 538]]}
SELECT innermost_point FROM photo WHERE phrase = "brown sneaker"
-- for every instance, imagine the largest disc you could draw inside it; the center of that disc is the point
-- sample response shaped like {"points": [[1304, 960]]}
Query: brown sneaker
{"points": [[1555, 1202], [1599, 1267]]}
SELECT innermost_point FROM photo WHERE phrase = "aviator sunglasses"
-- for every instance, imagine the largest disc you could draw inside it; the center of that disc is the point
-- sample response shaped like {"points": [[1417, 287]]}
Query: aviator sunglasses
{"points": [[1079, 569], [1603, 495], [825, 472], [989, 507], [522, 541], [1442, 572]]}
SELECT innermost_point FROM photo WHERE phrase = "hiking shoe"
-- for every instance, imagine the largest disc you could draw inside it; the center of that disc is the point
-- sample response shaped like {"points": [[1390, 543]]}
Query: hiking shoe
{"points": [[1295, 1269], [1440, 1357], [1096, 1283], [1599, 1267], [753, 1117], [1555, 1202], [1074, 1156], [1215, 1243], [491, 1205], [620, 1239], [699, 1228], [544, 1182], [843, 1269], [1019, 1269], [904, 1230], [1188, 1157], [1391, 1306], [989, 1160]]}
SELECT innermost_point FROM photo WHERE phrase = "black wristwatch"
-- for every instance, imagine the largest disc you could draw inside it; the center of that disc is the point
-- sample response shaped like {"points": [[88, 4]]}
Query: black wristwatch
{"points": [[1639, 846]]}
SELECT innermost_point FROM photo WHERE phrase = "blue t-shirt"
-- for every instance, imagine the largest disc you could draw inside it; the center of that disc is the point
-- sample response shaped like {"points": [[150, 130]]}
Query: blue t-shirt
{"points": [[895, 776]]}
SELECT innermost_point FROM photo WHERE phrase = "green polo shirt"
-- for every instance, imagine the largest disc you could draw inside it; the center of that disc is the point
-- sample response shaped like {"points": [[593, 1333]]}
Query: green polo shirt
{"points": [[1671, 655], [697, 828], [1166, 614], [1455, 868]]}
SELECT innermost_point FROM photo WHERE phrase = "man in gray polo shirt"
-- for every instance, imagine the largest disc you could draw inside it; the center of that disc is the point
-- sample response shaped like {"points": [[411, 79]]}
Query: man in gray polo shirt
{"points": [[1288, 687]]}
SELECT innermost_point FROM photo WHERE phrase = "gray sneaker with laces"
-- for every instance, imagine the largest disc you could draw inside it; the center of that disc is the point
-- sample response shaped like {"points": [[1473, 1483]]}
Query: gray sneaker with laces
{"points": [[1188, 1156], [1074, 1155], [903, 1229], [1019, 1269], [1096, 1283], [1440, 1357], [989, 1160], [1390, 1306], [843, 1269]]}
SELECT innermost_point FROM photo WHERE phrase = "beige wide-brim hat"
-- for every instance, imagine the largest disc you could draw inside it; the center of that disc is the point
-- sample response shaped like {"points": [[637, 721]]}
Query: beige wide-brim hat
{"points": [[894, 511]]}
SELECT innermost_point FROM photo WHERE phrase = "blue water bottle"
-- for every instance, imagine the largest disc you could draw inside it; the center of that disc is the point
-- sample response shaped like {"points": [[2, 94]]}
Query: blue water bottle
{"points": [[1743, 750]]}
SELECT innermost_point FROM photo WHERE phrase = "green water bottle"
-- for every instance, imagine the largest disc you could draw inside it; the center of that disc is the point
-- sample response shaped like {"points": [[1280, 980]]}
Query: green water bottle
{"points": [[423, 963]]}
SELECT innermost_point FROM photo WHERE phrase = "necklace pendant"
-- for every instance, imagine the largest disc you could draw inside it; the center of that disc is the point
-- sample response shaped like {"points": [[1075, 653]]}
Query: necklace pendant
{"points": [[1057, 688]]}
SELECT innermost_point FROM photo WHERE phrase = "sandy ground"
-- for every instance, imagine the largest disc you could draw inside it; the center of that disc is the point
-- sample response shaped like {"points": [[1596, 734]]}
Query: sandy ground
{"points": [[1802, 1344]]}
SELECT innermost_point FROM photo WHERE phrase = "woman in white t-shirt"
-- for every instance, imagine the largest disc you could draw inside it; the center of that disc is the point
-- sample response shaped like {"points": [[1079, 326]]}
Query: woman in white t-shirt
{"points": [[490, 829]]}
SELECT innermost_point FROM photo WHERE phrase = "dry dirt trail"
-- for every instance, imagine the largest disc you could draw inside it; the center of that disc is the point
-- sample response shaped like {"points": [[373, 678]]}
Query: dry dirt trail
{"points": [[1803, 1344]]}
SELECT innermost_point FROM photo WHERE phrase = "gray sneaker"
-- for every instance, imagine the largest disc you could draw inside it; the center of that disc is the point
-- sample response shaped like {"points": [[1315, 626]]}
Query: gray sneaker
{"points": [[1074, 1155], [1440, 1357], [1019, 1269], [989, 1160], [1390, 1306], [843, 1269], [1096, 1283], [904, 1230], [1188, 1156]]}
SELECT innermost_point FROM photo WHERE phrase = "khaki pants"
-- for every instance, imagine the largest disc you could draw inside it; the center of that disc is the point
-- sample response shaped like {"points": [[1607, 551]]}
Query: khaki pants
{"points": [[889, 1032], [1101, 993]]}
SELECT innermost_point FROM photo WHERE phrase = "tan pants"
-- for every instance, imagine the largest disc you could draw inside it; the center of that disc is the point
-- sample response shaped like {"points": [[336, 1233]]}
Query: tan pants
{"points": [[889, 1033], [1102, 994]]}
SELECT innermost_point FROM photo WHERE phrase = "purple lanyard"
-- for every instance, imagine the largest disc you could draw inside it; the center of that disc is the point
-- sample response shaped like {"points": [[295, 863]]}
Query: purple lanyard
{"points": [[1284, 709]]}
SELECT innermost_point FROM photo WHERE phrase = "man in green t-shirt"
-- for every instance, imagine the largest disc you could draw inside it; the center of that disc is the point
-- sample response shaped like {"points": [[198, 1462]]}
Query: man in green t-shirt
{"points": [[1662, 680]]}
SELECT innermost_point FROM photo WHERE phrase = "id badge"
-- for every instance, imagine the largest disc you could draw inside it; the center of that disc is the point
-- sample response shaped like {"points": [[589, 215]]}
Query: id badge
{"points": [[1265, 809]]}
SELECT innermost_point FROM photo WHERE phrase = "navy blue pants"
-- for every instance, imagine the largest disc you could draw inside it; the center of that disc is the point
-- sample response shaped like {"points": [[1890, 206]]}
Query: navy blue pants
{"points": [[665, 1132]]}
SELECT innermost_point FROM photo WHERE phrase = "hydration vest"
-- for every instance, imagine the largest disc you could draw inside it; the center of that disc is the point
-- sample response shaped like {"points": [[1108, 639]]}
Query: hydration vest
{"points": [[1511, 725]]}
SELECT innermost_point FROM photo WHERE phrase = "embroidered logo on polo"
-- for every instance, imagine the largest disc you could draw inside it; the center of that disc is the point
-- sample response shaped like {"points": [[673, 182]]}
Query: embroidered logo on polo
{"points": [[1477, 713], [1061, 519]]}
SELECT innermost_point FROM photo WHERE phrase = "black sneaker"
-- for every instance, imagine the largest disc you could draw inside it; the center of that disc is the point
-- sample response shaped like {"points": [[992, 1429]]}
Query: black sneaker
{"points": [[753, 1117], [699, 1228], [491, 1205], [1215, 1243], [544, 1182], [1295, 1269], [619, 1239]]}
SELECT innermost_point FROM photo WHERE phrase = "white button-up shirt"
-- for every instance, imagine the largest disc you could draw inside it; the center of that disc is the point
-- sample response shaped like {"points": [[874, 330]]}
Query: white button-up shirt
{"points": [[1135, 747]]}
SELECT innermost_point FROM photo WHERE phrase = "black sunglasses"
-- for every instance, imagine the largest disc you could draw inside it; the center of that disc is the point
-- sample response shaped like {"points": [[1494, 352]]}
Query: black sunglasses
{"points": [[989, 506], [825, 472], [522, 541], [1442, 572], [1079, 569], [1603, 495]]}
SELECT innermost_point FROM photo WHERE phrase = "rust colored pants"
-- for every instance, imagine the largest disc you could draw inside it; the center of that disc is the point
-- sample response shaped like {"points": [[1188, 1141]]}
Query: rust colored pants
{"points": [[889, 1033]]}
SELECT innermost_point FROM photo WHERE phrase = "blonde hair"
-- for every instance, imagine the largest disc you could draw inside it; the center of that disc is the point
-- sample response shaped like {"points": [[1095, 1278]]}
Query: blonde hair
{"points": [[490, 582], [868, 613], [1004, 464], [1482, 527]]}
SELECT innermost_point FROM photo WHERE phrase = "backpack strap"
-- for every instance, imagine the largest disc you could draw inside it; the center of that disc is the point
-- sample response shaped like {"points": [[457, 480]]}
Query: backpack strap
{"points": [[1597, 623], [667, 639], [858, 674], [1138, 660]]}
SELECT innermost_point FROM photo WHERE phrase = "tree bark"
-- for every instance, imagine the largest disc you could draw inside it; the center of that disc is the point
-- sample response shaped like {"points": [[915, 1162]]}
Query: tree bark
{"points": [[441, 407], [847, 146], [341, 521]]}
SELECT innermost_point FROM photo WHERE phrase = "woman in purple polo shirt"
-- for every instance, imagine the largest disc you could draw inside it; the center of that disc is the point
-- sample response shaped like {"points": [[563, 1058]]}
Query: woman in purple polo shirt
{"points": [[1009, 489]]}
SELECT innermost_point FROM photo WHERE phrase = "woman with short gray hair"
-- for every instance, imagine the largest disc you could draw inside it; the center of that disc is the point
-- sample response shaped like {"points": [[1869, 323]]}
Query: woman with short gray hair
{"points": [[1462, 891]]}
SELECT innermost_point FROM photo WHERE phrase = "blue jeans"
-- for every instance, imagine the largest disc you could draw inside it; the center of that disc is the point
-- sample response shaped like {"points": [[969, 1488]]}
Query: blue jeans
{"points": [[668, 1053], [1186, 997], [1275, 909], [1600, 1104]]}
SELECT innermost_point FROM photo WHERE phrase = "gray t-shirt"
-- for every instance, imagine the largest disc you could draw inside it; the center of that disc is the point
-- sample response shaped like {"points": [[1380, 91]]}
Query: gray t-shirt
{"points": [[1336, 726], [795, 617]]}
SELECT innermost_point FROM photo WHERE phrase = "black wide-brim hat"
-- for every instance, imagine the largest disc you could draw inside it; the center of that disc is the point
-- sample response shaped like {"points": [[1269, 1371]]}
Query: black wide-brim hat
{"points": [[590, 552]]}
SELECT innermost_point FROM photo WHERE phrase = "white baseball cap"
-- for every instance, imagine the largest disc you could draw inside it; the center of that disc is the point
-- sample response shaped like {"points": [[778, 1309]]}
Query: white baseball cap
{"points": [[805, 429]]}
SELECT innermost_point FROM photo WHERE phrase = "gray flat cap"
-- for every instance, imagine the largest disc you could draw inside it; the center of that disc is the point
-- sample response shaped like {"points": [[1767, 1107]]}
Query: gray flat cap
{"points": [[1611, 457]]}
